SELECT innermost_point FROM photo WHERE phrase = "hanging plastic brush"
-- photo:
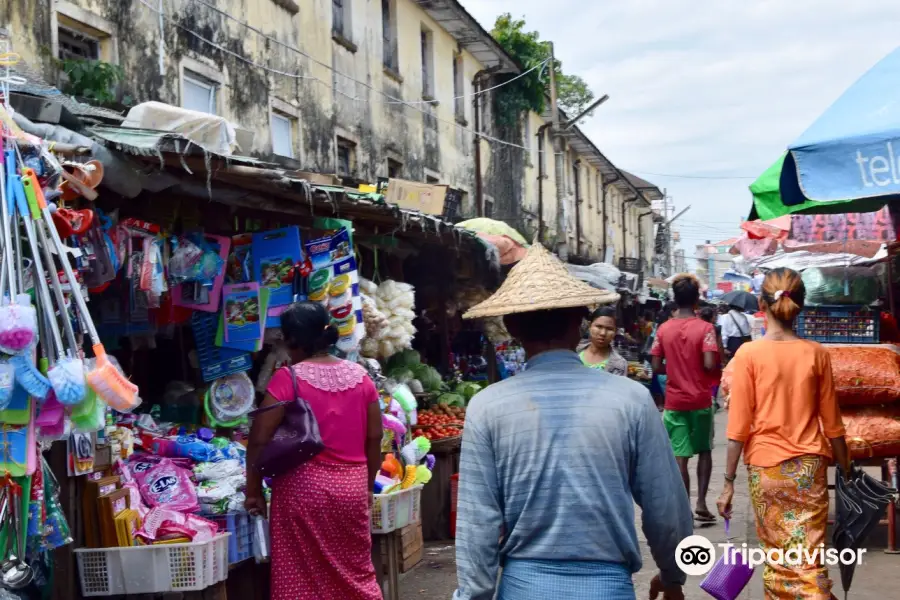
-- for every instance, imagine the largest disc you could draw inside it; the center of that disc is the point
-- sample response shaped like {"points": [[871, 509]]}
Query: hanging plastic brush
{"points": [[111, 385], [7, 383], [18, 319], [67, 375]]}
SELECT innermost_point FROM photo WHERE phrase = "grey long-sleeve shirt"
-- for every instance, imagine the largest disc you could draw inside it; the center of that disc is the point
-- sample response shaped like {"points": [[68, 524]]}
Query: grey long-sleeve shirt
{"points": [[553, 461]]}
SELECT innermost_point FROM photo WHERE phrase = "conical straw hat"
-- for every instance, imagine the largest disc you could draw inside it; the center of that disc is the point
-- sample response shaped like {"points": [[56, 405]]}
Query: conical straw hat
{"points": [[539, 281]]}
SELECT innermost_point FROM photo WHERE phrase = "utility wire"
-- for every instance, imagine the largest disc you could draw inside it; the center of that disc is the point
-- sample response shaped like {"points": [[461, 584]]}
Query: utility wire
{"points": [[391, 99], [330, 84], [686, 176], [259, 32]]}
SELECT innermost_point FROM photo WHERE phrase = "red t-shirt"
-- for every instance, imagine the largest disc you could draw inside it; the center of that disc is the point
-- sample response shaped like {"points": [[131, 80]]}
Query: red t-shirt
{"points": [[682, 342]]}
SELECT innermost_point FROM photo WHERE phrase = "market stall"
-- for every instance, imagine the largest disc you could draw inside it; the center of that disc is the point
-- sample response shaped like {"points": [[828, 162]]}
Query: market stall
{"points": [[179, 306], [844, 311]]}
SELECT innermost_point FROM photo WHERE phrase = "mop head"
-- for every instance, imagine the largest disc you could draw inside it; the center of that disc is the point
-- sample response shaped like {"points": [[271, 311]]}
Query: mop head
{"points": [[111, 386], [18, 325], [423, 475], [392, 467], [409, 478], [7, 383], [28, 376], [67, 379], [416, 450]]}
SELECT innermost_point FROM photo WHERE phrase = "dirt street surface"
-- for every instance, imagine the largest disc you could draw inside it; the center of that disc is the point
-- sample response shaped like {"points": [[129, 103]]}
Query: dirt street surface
{"points": [[878, 576]]}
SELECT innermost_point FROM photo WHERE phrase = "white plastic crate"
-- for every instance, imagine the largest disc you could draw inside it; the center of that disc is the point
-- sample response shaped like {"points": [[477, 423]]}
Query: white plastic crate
{"points": [[153, 569], [395, 511]]}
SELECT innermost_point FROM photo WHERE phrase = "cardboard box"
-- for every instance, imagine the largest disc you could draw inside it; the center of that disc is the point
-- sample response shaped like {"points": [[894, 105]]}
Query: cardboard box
{"points": [[412, 195]]}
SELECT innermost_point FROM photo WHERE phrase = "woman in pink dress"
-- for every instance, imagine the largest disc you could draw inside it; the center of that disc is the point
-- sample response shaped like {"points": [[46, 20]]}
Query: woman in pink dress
{"points": [[319, 526]]}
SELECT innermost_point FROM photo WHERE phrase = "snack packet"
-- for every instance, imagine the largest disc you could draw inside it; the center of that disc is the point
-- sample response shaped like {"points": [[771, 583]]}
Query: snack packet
{"points": [[170, 486]]}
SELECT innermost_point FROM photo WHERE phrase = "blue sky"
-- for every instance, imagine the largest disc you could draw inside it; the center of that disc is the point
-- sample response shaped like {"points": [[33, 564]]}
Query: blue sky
{"points": [[707, 88]]}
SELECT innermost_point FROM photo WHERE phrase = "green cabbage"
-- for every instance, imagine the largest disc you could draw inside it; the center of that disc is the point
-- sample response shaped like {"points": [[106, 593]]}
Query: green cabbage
{"points": [[430, 378], [467, 389], [402, 375], [452, 400], [405, 358]]}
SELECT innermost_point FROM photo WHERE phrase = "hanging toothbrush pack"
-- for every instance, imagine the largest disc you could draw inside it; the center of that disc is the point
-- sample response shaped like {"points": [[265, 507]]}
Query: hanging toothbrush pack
{"points": [[240, 260], [251, 345], [201, 294], [275, 254], [334, 283], [241, 312]]}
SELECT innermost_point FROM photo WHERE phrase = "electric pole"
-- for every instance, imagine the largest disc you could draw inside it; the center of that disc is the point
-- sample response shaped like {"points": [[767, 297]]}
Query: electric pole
{"points": [[562, 248]]}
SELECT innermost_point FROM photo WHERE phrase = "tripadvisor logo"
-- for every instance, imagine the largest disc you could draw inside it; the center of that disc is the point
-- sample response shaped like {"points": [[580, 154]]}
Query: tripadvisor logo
{"points": [[696, 555]]}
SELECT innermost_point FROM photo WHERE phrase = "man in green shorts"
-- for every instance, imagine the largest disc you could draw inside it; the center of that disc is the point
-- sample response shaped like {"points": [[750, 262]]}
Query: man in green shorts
{"points": [[688, 346]]}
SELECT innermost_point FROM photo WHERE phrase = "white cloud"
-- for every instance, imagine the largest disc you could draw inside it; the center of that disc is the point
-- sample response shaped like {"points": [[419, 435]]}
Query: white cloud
{"points": [[707, 87]]}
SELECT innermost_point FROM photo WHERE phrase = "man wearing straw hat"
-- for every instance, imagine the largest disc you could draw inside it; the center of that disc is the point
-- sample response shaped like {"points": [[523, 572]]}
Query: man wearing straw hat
{"points": [[554, 459]]}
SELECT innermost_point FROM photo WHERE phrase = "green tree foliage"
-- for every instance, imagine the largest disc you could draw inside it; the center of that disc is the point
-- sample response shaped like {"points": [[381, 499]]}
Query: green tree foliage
{"points": [[528, 93], [92, 80]]}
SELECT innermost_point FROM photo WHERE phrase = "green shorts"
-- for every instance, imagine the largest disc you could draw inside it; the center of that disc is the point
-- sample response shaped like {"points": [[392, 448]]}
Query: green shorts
{"points": [[690, 431]]}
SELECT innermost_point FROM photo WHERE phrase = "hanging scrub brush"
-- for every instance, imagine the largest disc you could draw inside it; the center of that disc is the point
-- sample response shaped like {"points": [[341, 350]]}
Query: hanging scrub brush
{"points": [[18, 319], [7, 383], [61, 302], [67, 375], [111, 385]]}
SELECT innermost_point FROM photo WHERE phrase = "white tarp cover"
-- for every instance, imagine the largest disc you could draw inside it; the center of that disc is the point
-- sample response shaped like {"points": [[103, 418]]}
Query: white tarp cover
{"points": [[804, 260], [212, 133], [599, 275]]}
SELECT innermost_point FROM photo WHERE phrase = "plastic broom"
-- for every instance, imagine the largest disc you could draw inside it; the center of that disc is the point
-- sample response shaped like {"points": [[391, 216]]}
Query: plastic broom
{"points": [[18, 319], [67, 375], [111, 385]]}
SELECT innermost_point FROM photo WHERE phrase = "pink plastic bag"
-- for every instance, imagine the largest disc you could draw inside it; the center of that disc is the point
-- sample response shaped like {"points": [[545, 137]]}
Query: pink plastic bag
{"points": [[142, 465], [162, 521], [137, 502], [170, 486]]}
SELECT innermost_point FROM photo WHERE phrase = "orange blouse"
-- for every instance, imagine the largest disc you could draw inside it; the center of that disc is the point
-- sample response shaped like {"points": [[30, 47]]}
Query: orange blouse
{"points": [[783, 403]]}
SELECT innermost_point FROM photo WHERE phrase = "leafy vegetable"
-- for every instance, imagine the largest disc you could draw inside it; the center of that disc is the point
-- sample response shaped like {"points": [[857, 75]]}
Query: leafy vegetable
{"points": [[402, 375], [467, 389], [430, 378], [405, 358], [452, 400]]}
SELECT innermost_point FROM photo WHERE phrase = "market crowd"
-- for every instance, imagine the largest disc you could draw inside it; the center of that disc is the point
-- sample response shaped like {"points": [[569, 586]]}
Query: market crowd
{"points": [[555, 458]]}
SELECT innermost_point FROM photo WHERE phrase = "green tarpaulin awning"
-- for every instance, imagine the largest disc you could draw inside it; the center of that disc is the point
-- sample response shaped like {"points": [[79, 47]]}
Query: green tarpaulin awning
{"points": [[767, 202]]}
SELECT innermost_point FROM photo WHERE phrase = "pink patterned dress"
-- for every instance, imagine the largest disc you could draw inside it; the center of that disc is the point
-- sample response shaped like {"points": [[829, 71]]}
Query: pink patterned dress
{"points": [[320, 527]]}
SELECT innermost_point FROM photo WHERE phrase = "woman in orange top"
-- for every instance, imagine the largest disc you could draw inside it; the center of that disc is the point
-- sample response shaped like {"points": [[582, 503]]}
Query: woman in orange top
{"points": [[784, 418]]}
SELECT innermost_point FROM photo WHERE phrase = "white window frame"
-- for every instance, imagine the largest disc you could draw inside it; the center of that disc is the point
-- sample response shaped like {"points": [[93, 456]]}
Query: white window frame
{"points": [[526, 128], [68, 15], [351, 145], [346, 23], [88, 41], [278, 117], [426, 45], [459, 87], [397, 163], [390, 54], [197, 80]]}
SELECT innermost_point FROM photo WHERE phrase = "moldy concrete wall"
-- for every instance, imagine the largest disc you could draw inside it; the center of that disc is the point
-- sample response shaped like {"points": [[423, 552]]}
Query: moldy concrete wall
{"points": [[329, 87]]}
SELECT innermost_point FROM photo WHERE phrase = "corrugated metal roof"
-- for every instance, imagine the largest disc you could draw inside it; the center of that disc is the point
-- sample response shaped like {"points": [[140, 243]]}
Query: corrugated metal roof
{"points": [[35, 85], [469, 34], [645, 186], [266, 186]]}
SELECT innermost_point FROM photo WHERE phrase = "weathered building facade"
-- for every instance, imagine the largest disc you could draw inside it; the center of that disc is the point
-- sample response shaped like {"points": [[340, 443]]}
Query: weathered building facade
{"points": [[360, 88]]}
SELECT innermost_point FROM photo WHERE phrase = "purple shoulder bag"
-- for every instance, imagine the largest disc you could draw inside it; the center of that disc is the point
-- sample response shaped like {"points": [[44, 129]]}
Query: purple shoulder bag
{"points": [[296, 441]]}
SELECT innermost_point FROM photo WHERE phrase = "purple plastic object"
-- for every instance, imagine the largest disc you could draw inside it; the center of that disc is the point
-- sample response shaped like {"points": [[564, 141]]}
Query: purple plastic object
{"points": [[727, 581]]}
